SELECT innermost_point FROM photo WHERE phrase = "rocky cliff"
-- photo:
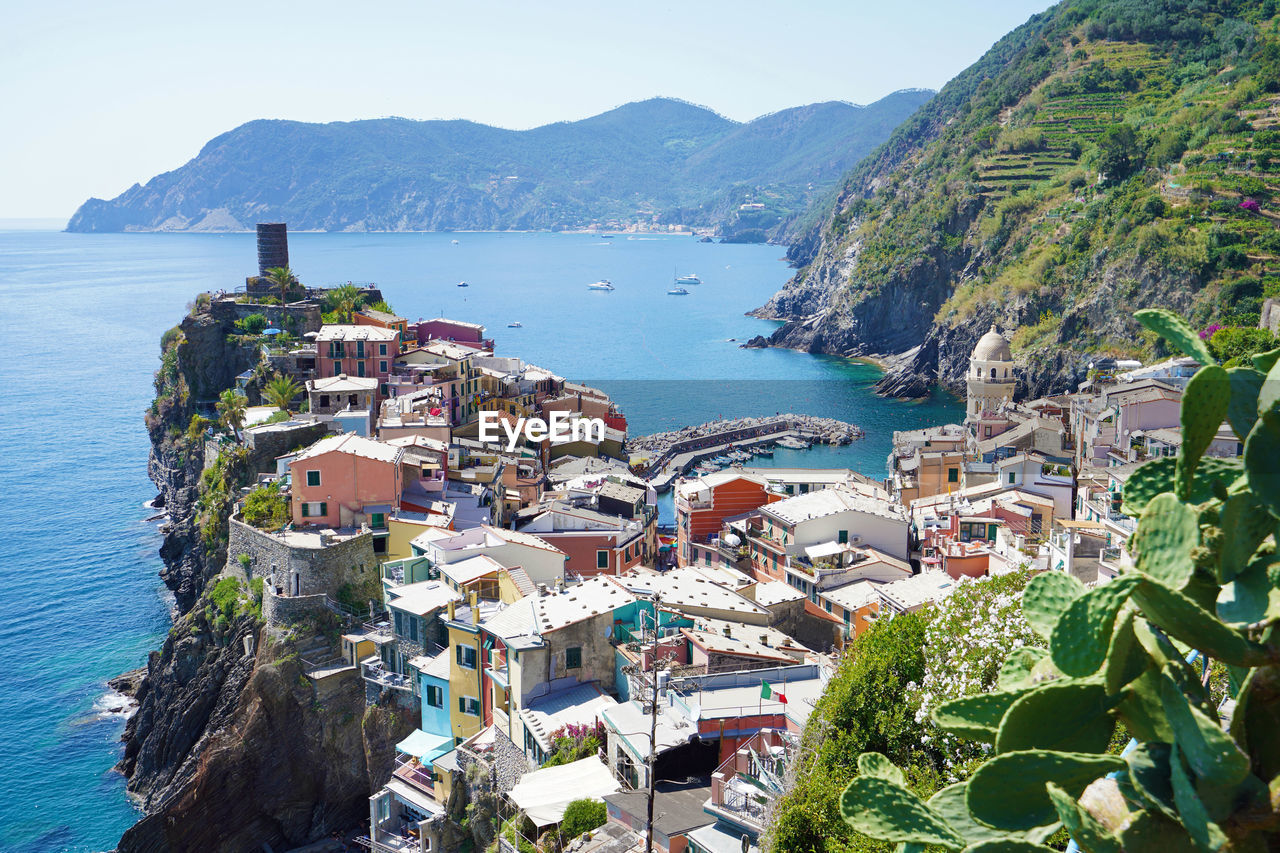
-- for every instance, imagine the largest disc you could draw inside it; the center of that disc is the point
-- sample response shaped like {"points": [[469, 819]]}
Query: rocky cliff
{"points": [[233, 746], [1101, 158]]}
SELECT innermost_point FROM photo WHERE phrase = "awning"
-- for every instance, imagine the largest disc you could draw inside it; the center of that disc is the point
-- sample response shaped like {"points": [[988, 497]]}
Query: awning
{"points": [[544, 794], [425, 746]]}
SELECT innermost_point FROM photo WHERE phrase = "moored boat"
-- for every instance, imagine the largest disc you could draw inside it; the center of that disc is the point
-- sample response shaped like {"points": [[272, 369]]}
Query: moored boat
{"points": [[602, 284]]}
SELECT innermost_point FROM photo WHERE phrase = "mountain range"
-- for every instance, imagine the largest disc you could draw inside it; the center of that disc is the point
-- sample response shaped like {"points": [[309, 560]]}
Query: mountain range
{"points": [[660, 160], [1106, 156]]}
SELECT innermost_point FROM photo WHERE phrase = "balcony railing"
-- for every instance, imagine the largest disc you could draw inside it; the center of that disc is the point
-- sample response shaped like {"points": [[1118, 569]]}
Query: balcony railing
{"points": [[378, 674], [411, 770]]}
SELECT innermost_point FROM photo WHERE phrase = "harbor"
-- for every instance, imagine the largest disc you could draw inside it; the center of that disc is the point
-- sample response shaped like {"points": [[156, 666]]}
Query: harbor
{"points": [[663, 457]]}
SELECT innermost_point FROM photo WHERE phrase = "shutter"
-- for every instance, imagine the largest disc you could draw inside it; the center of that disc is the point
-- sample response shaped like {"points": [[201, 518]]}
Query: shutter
{"points": [[306, 510], [324, 508]]}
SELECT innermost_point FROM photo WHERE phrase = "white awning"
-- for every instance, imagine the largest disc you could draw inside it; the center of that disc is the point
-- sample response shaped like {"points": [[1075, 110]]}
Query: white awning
{"points": [[544, 794]]}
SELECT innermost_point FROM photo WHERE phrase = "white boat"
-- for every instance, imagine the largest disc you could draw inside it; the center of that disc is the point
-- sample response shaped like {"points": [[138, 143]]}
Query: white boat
{"points": [[602, 284], [454, 242], [515, 325], [677, 291], [688, 278], [463, 284]]}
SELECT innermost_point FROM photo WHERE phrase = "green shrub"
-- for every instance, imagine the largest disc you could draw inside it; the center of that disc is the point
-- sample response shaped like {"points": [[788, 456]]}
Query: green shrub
{"points": [[582, 816], [266, 508]]}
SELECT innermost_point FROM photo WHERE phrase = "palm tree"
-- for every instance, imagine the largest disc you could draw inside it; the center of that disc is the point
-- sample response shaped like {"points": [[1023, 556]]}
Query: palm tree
{"points": [[231, 408], [280, 391], [345, 299], [283, 278]]}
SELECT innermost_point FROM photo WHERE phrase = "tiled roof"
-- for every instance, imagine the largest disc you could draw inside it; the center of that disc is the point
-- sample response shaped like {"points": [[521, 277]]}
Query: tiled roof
{"points": [[422, 598], [344, 332], [826, 502], [353, 444]]}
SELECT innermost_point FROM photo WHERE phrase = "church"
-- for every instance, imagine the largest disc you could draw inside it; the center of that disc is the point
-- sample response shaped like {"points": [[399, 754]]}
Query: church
{"points": [[990, 381]]}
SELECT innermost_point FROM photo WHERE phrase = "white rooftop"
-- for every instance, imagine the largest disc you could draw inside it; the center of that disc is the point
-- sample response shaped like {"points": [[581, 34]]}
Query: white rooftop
{"points": [[775, 592], [344, 332], [913, 592], [853, 596], [353, 444], [539, 615], [422, 598], [690, 588], [825, 502], [471, 569], [342, 382]]}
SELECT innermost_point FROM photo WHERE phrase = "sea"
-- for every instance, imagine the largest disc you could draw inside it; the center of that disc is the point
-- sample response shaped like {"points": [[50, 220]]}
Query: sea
{"points": [[81, 599]]}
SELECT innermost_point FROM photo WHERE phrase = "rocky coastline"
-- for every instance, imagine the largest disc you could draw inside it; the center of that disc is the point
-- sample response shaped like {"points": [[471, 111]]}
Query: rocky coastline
{"points": [[230, 748]]}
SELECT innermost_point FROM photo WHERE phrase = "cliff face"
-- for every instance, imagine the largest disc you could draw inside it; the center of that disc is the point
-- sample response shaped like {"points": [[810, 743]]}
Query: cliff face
{"points": [[233, 746], [1097, 160], [232, 750]]}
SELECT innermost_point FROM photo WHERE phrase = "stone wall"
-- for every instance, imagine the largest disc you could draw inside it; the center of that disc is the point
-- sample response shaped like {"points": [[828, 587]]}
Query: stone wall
{"points": [[509, 762], [278, 610], [268, 442], [322, 570], [305, 317]]}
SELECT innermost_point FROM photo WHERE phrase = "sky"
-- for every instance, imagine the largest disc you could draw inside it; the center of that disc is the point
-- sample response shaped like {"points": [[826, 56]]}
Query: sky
{"points": [[97, 96]]}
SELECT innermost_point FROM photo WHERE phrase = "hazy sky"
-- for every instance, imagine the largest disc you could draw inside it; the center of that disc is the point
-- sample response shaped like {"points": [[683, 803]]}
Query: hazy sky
{"points": [[95, 96]]}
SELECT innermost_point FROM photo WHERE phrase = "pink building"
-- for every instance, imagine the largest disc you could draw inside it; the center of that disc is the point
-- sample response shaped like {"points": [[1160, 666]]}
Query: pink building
{"points": [[440, 329], [360, 351], [346, 480]]}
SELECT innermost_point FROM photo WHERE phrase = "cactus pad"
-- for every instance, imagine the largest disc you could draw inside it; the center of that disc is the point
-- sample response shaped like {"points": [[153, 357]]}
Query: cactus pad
{"points": [[1175, 330], [1149, 775], [875, 764], [1262, 455], [1242, 411], [1204, 408], [883, 810], [1245, 523], [1126, 659], [1018, 670], [1008, 845], [1167, 532], [1008, 791], [1210, 751], [1187, 621], [1080, 638], [1195, 818], [976, 717], [1045, 599], [1071, 716], [1157, 476]]}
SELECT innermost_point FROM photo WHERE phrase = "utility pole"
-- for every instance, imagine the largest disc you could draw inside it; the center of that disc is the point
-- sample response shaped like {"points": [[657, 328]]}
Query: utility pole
{"points": [[653, 725]]}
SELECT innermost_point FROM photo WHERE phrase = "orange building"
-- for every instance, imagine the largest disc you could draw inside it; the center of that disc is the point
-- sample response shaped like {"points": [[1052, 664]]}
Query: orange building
{"points": [[702, 504]]}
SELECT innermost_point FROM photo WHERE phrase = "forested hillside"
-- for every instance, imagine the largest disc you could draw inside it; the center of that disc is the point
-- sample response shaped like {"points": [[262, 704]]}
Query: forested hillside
{"points": [[1106, 156], [656, 161]]}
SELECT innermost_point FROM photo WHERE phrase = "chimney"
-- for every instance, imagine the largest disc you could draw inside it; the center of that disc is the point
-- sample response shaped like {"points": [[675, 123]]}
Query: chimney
{"points": [[473, 598], [559, 584], [542, 590], [453, 610]]}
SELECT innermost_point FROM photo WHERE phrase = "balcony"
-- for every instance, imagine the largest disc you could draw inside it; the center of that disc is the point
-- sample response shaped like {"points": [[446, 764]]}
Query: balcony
{"points": [[411, 770], [378, 674]]}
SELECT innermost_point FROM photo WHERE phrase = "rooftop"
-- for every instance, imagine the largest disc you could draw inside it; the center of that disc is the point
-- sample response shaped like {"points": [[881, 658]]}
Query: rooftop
{"points": [[353, 444], [827, 502], [421, 598], [913, 592], [690, 588], [341, 383], [344, 332], [853, 596], [471, 569], [776, 592]]}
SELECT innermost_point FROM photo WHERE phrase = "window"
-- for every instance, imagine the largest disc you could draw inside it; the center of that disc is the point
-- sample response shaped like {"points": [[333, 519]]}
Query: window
{"points": [[380, 545], [382, 367], [359, 349], [360, 369], [953, 475], [469, 705], [314, 509], [413, 627], [313, 478], [399, 621], [378, 519], [1013, 477], [324, 401], [573, 658], [382, 350], [337, 368], [466, 657], [843, 537], [602, 559]]}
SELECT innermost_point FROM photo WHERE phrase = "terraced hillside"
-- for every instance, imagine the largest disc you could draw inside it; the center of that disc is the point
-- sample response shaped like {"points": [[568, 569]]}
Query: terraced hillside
{"points": [[1105, 156]]}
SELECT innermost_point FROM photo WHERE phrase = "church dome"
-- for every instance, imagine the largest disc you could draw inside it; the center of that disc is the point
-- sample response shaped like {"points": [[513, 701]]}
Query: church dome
{"points": [[992, 347]]}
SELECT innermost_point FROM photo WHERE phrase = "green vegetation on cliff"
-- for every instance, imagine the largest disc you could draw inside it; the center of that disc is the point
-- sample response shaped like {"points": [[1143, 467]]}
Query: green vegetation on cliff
{"points": [[1105, 156]]}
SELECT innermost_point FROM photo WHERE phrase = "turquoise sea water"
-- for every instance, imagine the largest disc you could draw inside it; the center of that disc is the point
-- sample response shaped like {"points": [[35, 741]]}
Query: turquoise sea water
{"points": [[82, 316]]}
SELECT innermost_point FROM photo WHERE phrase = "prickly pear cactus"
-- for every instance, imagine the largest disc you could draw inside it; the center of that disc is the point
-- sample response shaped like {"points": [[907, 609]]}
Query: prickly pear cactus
{"points": [[1206, 587]]}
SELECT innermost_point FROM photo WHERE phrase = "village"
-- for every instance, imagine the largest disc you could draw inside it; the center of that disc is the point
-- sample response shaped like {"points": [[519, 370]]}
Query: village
{"points": [[551, 639]]}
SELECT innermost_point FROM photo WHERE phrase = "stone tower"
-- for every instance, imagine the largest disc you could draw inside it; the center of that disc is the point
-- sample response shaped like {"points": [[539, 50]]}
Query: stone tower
{"points": [[990, 380]]}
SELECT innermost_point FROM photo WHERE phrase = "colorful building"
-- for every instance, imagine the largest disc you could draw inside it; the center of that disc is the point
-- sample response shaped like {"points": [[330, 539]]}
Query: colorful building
{"points": [[345, 481]]}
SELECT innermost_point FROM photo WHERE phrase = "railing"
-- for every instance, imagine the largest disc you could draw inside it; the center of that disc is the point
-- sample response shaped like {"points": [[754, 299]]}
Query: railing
{"points": [[413, 772], [378, 674]]}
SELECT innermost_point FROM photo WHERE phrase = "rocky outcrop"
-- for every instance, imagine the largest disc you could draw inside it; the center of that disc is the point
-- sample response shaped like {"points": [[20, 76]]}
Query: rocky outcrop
{"points": [[231, 750]]}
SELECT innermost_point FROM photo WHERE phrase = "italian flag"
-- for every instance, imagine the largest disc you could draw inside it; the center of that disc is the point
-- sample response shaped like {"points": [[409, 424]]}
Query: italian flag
{"points": [[768, 691]]}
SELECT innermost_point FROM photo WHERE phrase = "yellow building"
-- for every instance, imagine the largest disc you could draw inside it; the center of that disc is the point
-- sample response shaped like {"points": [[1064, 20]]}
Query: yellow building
{"points": [[465, 713]]}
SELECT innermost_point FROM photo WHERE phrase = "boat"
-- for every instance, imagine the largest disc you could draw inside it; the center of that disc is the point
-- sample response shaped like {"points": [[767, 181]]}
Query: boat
{"points": [[688, 278], [516, 325], [454, 242], [766, 452], [793, 443], [678, 291], [602, 284], [606, 236], [463, 284]]}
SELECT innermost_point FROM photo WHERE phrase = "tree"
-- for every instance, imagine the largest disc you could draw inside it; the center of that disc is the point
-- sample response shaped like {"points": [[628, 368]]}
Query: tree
{"points": [[344, 300], [231, 407], [280, 391], [1118, 152], [283, 278], [266, 508]]}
